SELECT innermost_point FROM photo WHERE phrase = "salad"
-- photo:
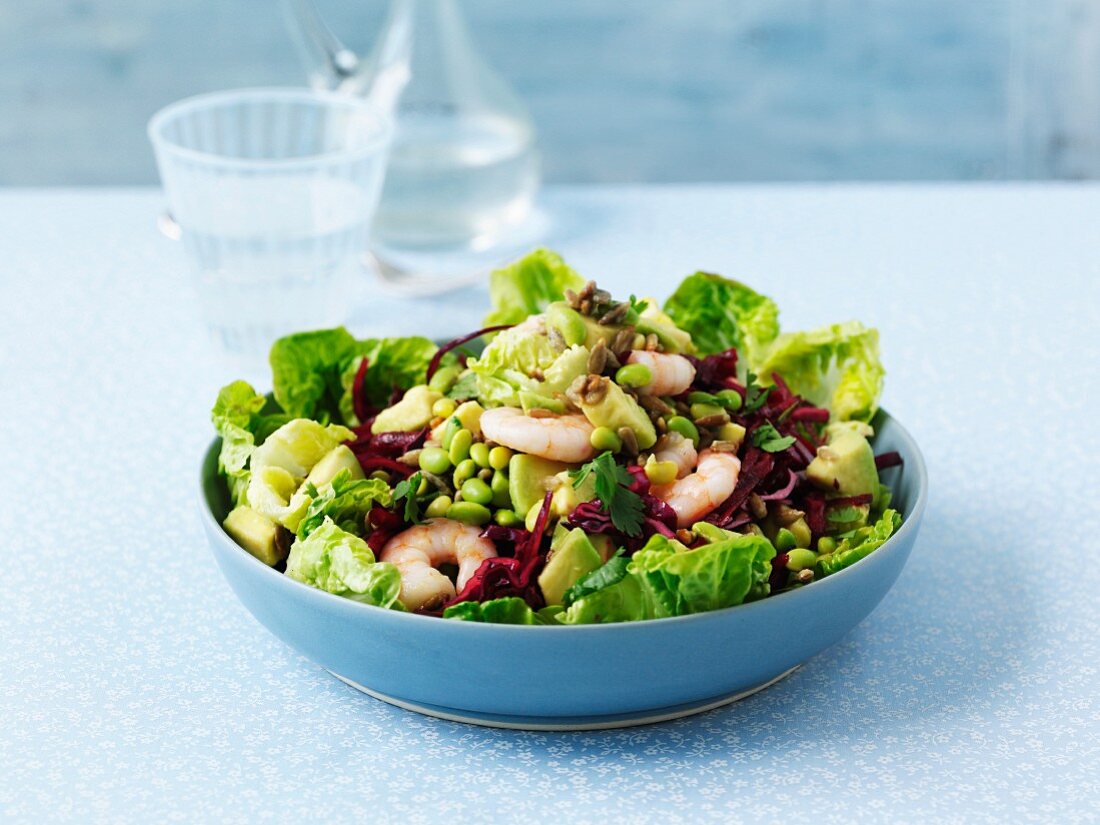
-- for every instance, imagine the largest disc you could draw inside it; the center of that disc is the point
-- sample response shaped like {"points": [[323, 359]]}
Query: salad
{"points": [[581, 459]]}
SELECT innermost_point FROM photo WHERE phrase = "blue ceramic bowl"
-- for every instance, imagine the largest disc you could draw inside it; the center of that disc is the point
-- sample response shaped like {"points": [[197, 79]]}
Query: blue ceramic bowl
{"points": [[572, 677]]}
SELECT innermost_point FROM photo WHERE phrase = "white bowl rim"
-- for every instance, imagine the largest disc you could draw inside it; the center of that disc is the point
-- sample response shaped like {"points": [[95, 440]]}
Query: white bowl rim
{"points": [[909, 524]]}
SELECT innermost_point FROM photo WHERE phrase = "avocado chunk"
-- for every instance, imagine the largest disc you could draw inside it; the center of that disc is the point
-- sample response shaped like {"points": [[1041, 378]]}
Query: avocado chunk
{"points": [[564, 371], [604, 546], [532, 400], [572, 557], [410, 413], [258, 534], [845, 464], [337, 459], [617, 409], [528, 479]]}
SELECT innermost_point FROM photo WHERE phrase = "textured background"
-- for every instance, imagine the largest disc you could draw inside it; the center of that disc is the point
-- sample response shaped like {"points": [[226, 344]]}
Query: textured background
{"points": [[642, 90]]}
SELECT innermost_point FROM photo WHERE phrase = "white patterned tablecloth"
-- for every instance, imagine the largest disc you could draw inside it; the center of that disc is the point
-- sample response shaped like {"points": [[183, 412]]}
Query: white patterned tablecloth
{"points": [[133, 686]]}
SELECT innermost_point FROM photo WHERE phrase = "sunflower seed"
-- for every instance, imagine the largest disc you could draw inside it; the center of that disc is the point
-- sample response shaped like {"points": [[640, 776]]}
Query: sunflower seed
{"points": [[630, 441], [614, 315], [597, 358], [412, 458], [757, 506]]}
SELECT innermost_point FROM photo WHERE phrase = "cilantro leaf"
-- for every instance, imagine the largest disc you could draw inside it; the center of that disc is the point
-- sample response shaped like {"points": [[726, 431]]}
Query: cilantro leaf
{"points": [[407, 489], [768, 439], [612, 480], [755, 395]]}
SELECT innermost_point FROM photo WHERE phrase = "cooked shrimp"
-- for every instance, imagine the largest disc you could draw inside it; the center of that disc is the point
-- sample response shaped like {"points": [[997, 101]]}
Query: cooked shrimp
{"points": [[672, 374], [696, 495], [558, 438], [679, 450], [416, 553]]}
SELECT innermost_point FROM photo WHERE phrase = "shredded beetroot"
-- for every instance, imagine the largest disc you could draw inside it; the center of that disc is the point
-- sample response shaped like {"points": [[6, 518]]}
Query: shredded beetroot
{"points": [[890, 459], [382, 525], [716, 372], [754, 469], [457, 342], [370, 463], [814, 507], [504, 576], [815, 415], [358, 398], [778, 579], [388, 445]]}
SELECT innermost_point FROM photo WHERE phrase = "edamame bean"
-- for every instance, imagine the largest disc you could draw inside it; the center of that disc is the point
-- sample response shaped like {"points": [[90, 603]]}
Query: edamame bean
{"points": [[444, 378], [465, 470], [706, 411], [452, 426], [469, 513], [826, 545], [438, 507], [730, 399], [800, 559], [460, 446], [506, 518], [633, 375], [499, 458], [502, 496], [784, 540], [434, 460], [660, 472], [443, 408], [477, 491], [605, 438], [685, 427], [479, 452], [702, 398]]}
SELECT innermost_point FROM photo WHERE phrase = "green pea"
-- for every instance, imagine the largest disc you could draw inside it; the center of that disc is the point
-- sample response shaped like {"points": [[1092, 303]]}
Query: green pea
{"points": [[730, 399], [502, 496], [437, 507], [452, 426], [633, 375], [469, 512], [702, 398], [479, 452], [445, 378], [460, 446], [477, 491], [685, 427], [660, 472], [506, 518], [605, 438], [800, 559], [706, 411], [826, 545], [499, 458], [434, 460], [443, 408], [465, 470], [784, 540]]}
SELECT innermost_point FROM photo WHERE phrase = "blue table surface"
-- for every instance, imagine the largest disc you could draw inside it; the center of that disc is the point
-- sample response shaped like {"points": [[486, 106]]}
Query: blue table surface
{"points": [[133, 686]]}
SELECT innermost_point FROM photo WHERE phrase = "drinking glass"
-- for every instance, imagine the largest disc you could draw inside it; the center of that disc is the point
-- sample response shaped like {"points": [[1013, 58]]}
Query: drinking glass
{"points": [[273, 191]]}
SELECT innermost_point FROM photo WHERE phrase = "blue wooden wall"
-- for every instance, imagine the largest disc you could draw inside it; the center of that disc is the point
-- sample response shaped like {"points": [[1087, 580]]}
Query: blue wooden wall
{"points": [[621, 90]]}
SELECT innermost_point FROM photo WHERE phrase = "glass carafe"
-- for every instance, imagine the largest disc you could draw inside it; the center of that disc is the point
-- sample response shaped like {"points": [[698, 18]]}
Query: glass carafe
{"points": [[463, 167]]}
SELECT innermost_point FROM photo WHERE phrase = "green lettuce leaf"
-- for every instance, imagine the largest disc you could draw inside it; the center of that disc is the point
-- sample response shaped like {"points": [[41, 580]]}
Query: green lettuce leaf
{"points": [[528, 286], [721, 313], [305, 371], [505, 367], [394, 363], [836, 367], [624, 601], [511, 610], [710, 577], [238, 419], [338, 562], [859, 544], [345, 501]]}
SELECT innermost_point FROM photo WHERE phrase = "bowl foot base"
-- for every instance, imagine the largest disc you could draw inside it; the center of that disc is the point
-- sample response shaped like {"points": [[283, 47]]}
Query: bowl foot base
{"points": [[565, 723]]}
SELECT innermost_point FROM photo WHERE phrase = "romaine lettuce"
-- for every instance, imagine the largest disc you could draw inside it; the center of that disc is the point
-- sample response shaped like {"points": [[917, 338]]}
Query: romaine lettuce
{"points": [[510, 610], [859, 544], [836, 367], [394, 364], [505, 367], [721, 313], [338, 562], [345, 501], [238, 420], [528, 286]]}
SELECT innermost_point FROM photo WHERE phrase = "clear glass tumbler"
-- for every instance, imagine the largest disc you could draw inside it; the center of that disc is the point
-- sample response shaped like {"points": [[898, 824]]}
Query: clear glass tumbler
{"points": [[273, 191]]}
